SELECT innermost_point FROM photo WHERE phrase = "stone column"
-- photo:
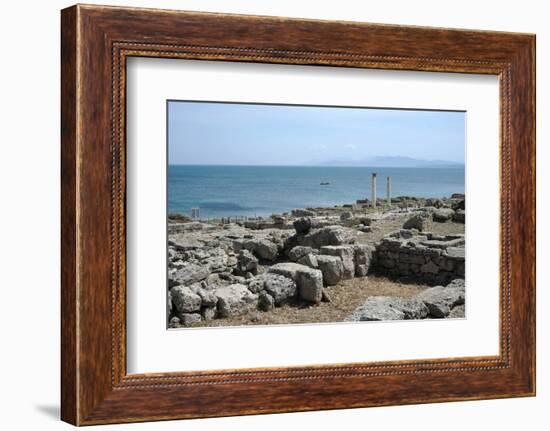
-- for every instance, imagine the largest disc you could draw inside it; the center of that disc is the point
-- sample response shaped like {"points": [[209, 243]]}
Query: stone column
{"points": [[373, 190], [388, 190]]}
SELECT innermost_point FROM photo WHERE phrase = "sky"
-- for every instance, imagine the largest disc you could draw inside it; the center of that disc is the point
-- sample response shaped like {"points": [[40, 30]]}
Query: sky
{"points": [[206, 133]]}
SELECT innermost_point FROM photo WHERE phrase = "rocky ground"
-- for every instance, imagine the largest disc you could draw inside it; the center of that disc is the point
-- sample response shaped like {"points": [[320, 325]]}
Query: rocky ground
{"points": [[345, 263]]}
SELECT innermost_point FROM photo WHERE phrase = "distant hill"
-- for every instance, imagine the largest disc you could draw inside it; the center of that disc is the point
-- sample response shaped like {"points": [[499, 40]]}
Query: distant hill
{"points": [[393, 162]]}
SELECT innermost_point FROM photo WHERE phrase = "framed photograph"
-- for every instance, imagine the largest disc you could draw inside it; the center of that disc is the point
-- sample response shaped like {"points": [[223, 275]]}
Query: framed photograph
{"points": [[322, 214]]}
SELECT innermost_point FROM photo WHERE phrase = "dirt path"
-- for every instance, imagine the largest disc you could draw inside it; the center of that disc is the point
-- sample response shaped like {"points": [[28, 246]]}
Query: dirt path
{"points": [[345, 297]]}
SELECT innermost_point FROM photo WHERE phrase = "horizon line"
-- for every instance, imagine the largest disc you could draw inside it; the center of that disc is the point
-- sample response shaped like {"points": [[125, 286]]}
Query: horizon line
{"points": [[450, 165]]}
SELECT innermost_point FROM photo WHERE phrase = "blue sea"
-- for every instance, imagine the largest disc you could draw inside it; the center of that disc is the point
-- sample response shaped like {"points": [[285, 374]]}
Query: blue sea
{"points": [[226, 191]]}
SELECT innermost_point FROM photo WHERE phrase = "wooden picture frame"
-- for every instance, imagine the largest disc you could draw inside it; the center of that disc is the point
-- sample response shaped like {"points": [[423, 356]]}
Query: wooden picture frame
{"points": [[95, 43]]}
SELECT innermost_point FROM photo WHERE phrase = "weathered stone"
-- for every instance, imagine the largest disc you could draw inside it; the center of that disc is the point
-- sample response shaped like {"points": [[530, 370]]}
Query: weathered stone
{"points": [[325, 296], [262, 248], [213, 278], [265, 301], [183, 244], [412, 258], [287, 269], [447, 264], [460, 205], [217, 260], [346, 253], [329, 235], [302, 225], [290, 242], [404, 233], [235, 299], [309, 260], [231, 260], [389, 308], [429, 268], [188, 319], [457, 283], [457, 253], [332, 269], [414, 268], [279, 242], [238, 279], [435, 202], [428, 210], [208, 296], [403, 268], [390, 244], [298, 252], [300, 212], [443, 215], [459, 216], [441, 299], [412, 308], [308, 280], [424, 256], [443, 244], [256, 285], [281, 288], [419, 222], [431, 253], [168, 304], [176, 264], [171, 252], [237, 244], [363, 258], [226, 276], [387, 263], [174, 322], [246, 261], [346, 215], [278, 220], [185, 300], [209, 313], [189, 273], [311, 286], [458, 312]]}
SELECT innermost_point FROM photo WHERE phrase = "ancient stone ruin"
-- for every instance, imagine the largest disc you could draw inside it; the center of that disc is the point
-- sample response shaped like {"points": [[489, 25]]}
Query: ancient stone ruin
{"points": [[220, 270], [435, 302], [429, 258]]}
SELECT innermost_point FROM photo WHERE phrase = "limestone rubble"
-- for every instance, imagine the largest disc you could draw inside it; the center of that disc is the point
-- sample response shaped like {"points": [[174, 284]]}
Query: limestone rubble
{"points": [[223, 268]]}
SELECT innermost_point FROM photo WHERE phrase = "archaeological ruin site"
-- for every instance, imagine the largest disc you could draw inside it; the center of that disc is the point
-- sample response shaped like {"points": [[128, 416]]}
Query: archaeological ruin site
{"points": [[402, 258]]}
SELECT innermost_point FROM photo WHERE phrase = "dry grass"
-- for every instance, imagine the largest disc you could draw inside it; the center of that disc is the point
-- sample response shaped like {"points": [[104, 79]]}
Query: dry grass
{"points": [[345, 297]]}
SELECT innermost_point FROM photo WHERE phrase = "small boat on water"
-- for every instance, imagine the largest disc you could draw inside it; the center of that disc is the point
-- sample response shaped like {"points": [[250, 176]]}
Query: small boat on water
{"points": [[324, 183]]}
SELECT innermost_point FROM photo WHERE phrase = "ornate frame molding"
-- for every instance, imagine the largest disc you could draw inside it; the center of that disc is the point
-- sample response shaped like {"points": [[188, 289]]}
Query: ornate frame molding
{"points": [[96, 41]]}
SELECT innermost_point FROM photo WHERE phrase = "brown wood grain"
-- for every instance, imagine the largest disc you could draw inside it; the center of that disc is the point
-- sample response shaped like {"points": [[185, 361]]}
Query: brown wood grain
{"points": [[96, 41], [69, 371]]}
